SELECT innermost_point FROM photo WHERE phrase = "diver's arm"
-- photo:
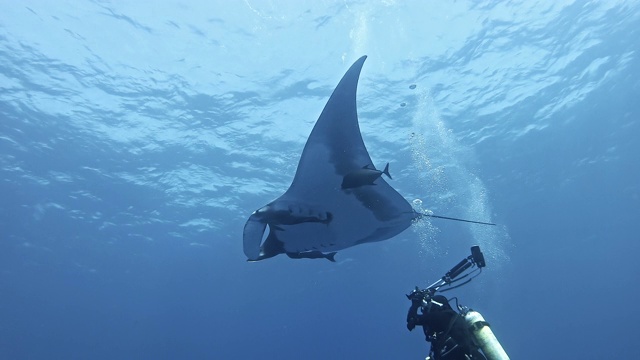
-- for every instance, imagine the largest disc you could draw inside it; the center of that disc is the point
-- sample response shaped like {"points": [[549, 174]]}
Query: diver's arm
{"points": [[412, 316]]}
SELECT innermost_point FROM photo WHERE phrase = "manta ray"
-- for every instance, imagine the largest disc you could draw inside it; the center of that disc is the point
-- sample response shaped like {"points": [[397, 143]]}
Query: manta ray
{"points": [[337, 199]]}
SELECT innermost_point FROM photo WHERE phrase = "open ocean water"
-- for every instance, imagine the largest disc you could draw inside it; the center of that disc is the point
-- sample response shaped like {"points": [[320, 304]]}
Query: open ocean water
{"points": [[136, 137]]}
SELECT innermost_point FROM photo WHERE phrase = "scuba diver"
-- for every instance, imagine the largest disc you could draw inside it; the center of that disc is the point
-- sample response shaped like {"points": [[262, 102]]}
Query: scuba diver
{"points": [[444, 328], [454, 335]]}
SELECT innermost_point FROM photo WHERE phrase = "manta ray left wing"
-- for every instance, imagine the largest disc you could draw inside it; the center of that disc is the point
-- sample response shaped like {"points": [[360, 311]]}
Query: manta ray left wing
{"points": [[316, 216]]}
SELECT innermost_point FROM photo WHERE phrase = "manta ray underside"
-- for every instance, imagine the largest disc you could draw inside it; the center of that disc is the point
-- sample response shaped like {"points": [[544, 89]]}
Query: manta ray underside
{"points": [[319, 215]]}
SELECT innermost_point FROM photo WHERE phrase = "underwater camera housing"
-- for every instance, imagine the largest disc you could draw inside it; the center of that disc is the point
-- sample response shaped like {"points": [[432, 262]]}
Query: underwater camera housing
{"points": [[478, 256]]}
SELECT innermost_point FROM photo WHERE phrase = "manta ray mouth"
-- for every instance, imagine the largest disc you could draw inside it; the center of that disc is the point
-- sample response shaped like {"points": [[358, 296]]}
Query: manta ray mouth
{"points": [[254, 231]]}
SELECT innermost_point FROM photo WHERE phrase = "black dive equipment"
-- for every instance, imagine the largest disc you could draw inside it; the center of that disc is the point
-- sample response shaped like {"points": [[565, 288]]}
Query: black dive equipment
{"points": [[470, 266]]}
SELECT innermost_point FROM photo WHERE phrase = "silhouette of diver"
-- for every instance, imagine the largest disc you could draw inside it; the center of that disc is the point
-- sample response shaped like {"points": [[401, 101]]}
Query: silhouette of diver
{"points": [[444, 328]]}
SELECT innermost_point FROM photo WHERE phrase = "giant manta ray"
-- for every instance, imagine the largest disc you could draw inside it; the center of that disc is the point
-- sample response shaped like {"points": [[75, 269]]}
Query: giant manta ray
{"points": [[337, 199]]}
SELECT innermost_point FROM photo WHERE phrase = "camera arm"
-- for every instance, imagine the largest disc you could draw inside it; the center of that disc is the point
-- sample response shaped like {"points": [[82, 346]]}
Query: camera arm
{"points": [[475, 259]]}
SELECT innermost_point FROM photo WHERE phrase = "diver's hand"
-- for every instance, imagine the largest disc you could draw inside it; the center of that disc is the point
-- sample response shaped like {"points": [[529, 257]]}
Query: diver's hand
{"points": [[412, 316], [411, 323]]}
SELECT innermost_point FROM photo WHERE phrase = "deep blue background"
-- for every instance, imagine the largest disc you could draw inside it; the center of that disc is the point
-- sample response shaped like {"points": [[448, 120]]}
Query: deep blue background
{"points": [[136, 139]]}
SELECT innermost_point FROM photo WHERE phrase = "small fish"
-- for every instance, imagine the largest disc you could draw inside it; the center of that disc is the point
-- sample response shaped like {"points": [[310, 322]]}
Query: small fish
{"points": [[313, 255], [365, 176]]}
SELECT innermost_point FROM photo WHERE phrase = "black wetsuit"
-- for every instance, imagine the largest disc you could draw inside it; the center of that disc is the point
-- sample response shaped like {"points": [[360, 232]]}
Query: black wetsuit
{"points": [[445, 329]]}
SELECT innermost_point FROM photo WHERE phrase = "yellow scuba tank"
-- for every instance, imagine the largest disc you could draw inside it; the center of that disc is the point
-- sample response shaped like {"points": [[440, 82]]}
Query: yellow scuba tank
{"points": [[484, 336]]}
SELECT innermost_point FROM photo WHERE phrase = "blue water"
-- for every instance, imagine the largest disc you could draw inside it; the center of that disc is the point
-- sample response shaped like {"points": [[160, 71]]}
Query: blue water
{"points": [[137, 137]]}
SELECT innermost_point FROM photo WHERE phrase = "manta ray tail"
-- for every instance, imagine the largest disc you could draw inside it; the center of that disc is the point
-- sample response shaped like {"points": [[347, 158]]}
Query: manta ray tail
{"points": [[420, 215]]}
